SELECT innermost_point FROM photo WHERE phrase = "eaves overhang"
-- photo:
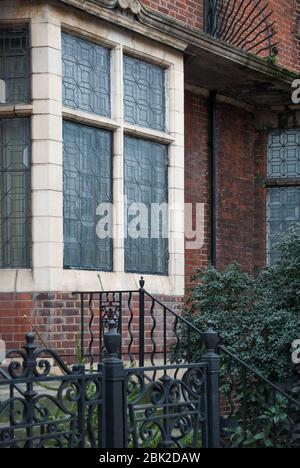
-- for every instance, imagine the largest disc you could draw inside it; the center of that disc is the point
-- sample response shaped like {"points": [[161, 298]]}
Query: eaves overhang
{"points": [[209, 62], [215, 65]]}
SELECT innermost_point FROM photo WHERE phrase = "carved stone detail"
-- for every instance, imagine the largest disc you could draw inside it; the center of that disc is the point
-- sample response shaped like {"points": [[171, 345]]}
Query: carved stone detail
{"points": [[133, 5]]}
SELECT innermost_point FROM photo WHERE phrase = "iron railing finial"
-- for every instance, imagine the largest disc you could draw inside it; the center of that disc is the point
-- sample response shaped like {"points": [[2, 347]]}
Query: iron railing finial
{"points": [[142, 282]]}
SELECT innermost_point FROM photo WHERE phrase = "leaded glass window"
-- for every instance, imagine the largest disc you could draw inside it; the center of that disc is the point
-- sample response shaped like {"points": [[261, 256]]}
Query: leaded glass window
{"points": [[283, 213], [284, 188], [15, 193], [284, 154], [87, 183], [142, 166], [146, 183], [144, 94], [14, 66], [86, 75]]}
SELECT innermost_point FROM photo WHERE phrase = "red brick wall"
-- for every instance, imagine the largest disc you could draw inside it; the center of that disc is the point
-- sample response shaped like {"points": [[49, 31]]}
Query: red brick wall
{"points": [[286, 13], [13, 307], [287, 17], [241, 154], [236, 138], [260, 226], [196, 174], [55, 317], [189, 12]]}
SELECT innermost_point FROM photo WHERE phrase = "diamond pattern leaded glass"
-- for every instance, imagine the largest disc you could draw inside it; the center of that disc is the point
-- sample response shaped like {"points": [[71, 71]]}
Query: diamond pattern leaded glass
{"points": [[14, 66], [144, 94], [15, 193], [86, 75], [284, 154], [146, 182], [87, 183], [283, 213]]}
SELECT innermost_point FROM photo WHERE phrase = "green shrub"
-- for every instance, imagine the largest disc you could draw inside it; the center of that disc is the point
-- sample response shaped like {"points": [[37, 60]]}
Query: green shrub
{"points": [[282, 281], [258, 317]]}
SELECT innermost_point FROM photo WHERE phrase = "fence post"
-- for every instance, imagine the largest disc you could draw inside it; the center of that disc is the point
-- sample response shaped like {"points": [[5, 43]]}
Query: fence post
{"points": [[115, 391], [81, 404], [30, 365], [142, 323], [212, 358]]}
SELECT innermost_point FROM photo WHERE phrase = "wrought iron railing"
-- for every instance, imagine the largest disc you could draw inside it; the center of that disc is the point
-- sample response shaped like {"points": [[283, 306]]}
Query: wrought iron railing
{"points": [[173, 402], [40, 408], [255, 411], [44, 404], [168, 408], [246, 24], [150, 330]]}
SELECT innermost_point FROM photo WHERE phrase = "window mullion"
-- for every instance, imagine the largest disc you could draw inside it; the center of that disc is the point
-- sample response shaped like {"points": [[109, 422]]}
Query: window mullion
{"points": [[118, 158]]}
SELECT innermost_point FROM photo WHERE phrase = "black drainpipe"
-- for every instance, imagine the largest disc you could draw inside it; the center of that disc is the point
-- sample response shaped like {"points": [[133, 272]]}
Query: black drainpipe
{"points": [[213, 176]]}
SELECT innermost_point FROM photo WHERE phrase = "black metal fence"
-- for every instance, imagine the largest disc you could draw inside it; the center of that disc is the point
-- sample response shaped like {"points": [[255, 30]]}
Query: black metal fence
{"points": [[246, 24], [44, 404], [168, 407], [255, 412], [167, 401], [150, 330]]}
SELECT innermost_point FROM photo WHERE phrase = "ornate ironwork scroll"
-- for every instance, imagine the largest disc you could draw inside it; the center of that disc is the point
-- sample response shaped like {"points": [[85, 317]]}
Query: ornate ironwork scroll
{"points": [[110, 311], [43, 409], [246, 24], [168, 409]]}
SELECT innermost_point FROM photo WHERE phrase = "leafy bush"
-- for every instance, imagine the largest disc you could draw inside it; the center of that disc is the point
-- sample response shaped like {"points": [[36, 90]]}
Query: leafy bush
{"points": [[266, 426], [282, 281], [258, 317]]}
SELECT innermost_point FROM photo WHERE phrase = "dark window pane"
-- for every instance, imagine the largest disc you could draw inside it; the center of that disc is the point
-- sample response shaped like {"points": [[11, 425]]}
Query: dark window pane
{"points": [[284, 154], [14, 66], [146, 182], [86, 75], [144, 94], [87, 183], [283, 213], [15, 193]]}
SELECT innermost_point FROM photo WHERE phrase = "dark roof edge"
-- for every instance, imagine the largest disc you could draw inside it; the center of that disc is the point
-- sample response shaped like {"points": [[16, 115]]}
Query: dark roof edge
{"points": [[141, 19]]}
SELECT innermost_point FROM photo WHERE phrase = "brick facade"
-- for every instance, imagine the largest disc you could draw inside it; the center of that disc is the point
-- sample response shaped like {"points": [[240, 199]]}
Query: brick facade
{"points": [[236, 140], [189, 12], [287, 17], [285, 13], [197, 189], [241, 156], [56, 320]]}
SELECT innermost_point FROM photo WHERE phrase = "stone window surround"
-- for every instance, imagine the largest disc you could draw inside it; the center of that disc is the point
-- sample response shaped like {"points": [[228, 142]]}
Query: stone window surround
{"points": [[47, 114]]}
